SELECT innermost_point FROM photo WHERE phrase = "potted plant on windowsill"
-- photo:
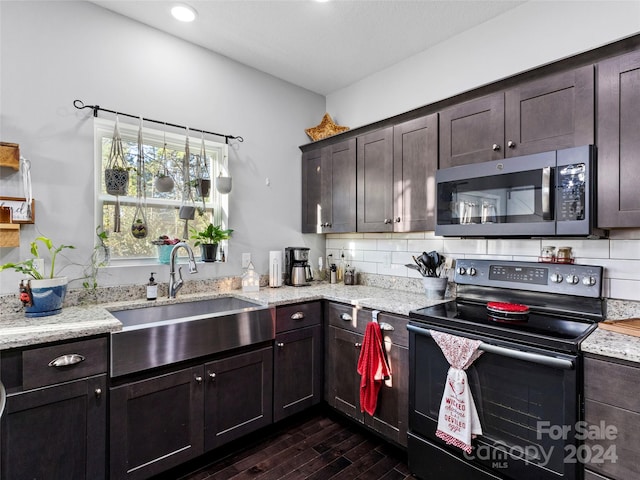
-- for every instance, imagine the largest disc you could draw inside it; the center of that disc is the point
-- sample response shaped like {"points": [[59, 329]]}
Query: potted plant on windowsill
{"points": [[43, 293], [208, 240]]}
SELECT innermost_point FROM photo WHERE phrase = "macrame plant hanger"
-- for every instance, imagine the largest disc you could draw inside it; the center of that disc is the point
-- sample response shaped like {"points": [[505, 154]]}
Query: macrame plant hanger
{"points": [[116, 175], [139, 227], [187, 210]]}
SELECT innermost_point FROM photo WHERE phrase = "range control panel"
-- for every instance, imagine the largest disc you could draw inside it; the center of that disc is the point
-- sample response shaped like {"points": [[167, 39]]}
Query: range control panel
{"points": [[569, 279]]}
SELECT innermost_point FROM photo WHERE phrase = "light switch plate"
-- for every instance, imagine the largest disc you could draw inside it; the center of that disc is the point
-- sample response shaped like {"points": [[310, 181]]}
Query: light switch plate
{"points": [[246, 260]]}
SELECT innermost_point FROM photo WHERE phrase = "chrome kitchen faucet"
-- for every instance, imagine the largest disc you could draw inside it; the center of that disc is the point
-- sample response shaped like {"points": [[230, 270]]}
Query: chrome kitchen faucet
{"points": [[175, 285]]}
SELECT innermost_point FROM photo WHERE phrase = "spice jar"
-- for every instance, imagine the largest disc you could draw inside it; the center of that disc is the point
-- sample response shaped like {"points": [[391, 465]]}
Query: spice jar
{"points": [[564, 255], [548, 254]]}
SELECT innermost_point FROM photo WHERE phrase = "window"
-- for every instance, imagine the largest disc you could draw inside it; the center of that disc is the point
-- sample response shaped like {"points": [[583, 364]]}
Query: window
{"points": [[164, 154]]}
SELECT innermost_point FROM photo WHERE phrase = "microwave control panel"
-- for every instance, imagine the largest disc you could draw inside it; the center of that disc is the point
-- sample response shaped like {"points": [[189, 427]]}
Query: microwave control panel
{"points": [[571, 192]]}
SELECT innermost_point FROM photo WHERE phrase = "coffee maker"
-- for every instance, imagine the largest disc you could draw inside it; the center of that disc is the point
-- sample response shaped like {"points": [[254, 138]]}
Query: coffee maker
{"points": [[297, 268]]}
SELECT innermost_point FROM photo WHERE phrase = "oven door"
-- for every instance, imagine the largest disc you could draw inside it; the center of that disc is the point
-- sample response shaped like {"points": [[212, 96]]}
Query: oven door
{"points": [[527, 402]]}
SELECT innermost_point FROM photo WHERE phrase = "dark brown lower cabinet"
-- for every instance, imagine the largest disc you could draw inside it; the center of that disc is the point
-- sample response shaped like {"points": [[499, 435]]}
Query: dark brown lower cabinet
{"points": [[298, 369], [56, 432], [163, 421], [342, 381], [238, 396], [612, 412]]}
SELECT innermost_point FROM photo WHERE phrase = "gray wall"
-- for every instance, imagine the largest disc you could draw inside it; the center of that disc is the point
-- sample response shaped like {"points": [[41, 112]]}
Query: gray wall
{"points": [[54, 52]]}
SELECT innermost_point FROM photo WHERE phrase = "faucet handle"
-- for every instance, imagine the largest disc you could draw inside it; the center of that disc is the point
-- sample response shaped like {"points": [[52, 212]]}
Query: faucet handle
{"points": [[192, 266]]}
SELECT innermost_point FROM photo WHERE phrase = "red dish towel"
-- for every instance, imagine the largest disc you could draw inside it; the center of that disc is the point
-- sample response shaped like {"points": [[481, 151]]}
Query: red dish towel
{"points": [[458, 421], [373, 366]]}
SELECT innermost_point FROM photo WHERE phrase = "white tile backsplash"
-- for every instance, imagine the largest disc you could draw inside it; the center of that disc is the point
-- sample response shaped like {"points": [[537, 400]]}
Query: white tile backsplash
{"points": [[387, 254]]}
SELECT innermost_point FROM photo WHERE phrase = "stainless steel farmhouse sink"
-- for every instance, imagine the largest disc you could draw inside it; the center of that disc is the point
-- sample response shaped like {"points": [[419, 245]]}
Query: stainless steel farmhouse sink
{"points": [[157, 335]]}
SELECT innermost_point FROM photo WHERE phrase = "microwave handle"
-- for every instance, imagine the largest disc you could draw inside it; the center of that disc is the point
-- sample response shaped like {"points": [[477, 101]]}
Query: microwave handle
{"points": [[546, 194]]}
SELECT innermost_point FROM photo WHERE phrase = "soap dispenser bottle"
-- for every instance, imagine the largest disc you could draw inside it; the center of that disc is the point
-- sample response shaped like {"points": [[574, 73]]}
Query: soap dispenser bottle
{"points": [[152, 288]]}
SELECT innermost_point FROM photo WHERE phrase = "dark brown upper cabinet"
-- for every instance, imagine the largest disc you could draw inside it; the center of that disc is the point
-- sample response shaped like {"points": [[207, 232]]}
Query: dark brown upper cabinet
{"points": [[554, 112], [329, 188], [311, 190], [619, 141], [396, 177]]}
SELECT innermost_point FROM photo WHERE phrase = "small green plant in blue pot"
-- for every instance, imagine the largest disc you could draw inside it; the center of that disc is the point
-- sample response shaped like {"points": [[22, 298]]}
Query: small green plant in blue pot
{"points": [[43, 292]]}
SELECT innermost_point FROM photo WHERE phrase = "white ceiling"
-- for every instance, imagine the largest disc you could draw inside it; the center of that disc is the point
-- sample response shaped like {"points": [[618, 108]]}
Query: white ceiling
{"points": [[322, 47]]}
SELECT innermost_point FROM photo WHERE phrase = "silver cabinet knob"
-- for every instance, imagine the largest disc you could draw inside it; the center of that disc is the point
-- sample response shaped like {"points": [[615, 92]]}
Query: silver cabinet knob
{"points": [[280, 344], [212, 376], [357, 345], [98, 392], [397, 219], [198, 379], [387, 221], [511, 144], [495, 147]]}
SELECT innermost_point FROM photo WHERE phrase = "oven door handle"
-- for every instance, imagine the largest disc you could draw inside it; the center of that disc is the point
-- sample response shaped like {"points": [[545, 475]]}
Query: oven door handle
{"points": [[548, 361]]}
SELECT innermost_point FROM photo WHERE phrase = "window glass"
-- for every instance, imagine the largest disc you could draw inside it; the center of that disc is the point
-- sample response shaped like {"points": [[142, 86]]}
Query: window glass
{"points": [[164, 154]]}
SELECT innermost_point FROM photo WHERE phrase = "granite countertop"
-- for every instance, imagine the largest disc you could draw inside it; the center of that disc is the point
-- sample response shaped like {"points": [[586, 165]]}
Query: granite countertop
{"points": [[18, 331], [612, 344]]}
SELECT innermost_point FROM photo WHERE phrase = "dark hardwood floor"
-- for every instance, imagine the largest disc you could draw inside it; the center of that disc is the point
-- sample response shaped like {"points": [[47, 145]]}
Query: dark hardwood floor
{"points": [[318, 446]]}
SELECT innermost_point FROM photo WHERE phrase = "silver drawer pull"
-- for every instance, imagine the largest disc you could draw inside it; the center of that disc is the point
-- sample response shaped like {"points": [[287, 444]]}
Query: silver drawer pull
{"points": [[346, 317], [386, 327], [297, 316], [357, 345], [66, 360]]}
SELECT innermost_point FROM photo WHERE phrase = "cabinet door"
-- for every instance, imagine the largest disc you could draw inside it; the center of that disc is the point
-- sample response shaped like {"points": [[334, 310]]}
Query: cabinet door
{"points": [[239, 396], [338, 206], [375, 181], [552, 113], [619, 141], [156, 424], [415, 161], [56, 432], [343, 381], [298, 371], [472, 132], [311, 191]]}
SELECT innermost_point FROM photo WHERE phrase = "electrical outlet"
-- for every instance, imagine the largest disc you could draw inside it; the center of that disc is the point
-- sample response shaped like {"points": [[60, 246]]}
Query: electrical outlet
{"points": [[246, 260], [38, 264]]}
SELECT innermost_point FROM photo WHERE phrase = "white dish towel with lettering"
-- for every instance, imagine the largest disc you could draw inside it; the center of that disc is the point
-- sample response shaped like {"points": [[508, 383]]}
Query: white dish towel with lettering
{"points": [[458, 420]]}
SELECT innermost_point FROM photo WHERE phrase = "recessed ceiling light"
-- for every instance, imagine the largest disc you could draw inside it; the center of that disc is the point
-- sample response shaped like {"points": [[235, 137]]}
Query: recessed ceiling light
{"points": [[184, 13]]}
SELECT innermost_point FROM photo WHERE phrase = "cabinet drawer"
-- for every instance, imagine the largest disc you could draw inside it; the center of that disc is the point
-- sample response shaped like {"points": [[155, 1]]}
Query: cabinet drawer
{"points": [[76, 359], [300, 315], [612, 383], [355, 319]]}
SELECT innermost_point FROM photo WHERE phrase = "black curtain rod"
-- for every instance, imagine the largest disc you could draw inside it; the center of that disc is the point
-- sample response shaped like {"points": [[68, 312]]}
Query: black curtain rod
{"points": [[79, 104]]}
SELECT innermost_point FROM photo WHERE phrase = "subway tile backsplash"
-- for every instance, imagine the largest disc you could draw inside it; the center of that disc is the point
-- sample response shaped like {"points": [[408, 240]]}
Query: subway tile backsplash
{"points": [[387, 254]]}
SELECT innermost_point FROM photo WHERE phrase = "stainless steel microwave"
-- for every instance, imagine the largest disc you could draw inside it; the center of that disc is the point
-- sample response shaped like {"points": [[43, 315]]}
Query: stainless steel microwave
{"points": [[544, 194]]}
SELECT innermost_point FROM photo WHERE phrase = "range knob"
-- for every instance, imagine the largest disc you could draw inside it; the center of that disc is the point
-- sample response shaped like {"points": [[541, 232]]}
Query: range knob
{"points": [[572, 279], [472, 271], [589, 281], [556, 278], [461, 271]]}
